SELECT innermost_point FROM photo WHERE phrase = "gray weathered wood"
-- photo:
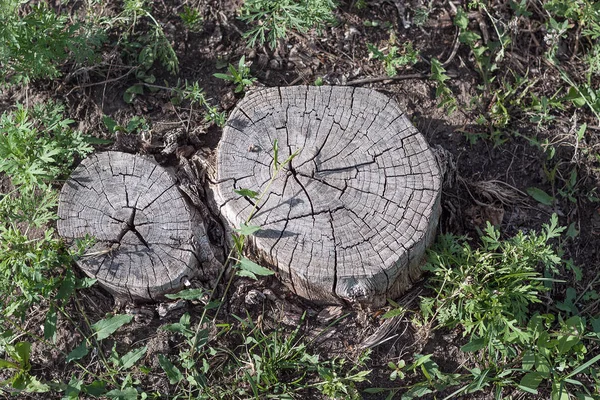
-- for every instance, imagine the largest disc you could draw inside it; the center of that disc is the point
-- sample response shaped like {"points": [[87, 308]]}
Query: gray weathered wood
{"points": [[352, 214], [149, 240]]}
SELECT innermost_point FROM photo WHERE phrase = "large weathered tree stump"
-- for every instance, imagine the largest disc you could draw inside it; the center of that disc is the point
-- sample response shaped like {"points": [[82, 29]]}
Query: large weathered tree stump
{"points": [[352, 214], [149, 240]]}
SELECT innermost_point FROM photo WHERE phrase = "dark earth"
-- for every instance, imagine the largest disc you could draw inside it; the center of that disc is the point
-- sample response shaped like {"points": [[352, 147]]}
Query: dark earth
{"points": [[490, 185]]}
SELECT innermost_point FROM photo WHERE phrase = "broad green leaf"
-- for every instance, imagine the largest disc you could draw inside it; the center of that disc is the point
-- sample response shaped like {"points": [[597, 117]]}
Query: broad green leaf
{"points": [[394, 312], [131, 92], [568, 304], [73, 389], [583, 396], [110, 124], [252, 267], [474, 345], [129, 359], [224, 77], [247, 193], [50, 323], [581, 132], [95, 389], [134, 123], [78, 352], [67, 287], [33, 385], [542, 366], [22, 352], [559, 391], [188, 294], [528, 360], [540, 196], [179, 328], [85, 283], [246, 274], [123, 394], [575, 96], [106, 327], [572, 232], [172, 371], [530, 382], [596, 326], [211, 305], [566, 343], [7, 364], [416, 392], [461, 20], [247, 230]]}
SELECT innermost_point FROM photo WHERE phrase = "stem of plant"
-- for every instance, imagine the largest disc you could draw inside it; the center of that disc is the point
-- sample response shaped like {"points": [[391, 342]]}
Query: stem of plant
{"points": [[230, 256]]}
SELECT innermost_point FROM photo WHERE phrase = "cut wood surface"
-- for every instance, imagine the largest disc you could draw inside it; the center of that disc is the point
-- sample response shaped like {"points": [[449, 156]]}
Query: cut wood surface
{"points": [[148, 238], [351, 215]]}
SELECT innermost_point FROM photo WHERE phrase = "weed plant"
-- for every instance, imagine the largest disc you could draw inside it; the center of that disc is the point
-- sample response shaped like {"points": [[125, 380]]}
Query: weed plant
{"points": [[191, 18], [493, 294], [37, 147], [36, 43], [239, 76], [272, 20], [395, 57], [488, 291]]}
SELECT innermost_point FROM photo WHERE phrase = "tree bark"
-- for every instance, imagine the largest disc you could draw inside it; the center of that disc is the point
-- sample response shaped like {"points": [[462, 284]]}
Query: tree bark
{"points": [[350, 217]]}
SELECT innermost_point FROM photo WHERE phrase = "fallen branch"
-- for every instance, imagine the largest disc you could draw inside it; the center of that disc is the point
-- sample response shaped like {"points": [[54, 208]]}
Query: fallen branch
{"points": [[393, 78]]}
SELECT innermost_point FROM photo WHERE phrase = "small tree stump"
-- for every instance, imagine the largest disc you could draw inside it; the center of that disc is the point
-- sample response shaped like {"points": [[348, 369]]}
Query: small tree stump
{"points": [[148, 238], [351, 216]]}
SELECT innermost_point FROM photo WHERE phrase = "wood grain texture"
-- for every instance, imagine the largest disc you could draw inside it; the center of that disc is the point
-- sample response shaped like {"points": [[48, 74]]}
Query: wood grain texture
{"points": [[148, 238], [351, 216]]}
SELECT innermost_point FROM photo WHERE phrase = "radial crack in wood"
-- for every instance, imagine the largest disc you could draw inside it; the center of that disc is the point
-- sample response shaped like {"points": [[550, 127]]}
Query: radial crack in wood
{"points": [[351, 215], [149, 240]]}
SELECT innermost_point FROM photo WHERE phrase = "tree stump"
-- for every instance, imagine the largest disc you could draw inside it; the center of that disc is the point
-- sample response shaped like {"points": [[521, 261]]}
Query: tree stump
{"points": [[351, 215], [149, 240]]}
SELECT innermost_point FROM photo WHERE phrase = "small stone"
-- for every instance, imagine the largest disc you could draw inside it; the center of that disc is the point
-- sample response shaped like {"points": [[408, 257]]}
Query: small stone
{"points": [[185, 151], [254, 297], [263, 60], [350, 33], [270, 295], [328, 314], [275, 64], [165, 309], [291, 318], [228, 100], [141, 314]]}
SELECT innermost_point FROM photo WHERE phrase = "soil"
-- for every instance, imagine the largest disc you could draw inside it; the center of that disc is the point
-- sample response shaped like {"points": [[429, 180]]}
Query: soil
{"points": [[490, 186]]}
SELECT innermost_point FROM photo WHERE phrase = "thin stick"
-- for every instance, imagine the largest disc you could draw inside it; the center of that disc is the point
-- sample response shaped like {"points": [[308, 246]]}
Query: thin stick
{"points": [[118, 78], [392, 78], [454, 49]]}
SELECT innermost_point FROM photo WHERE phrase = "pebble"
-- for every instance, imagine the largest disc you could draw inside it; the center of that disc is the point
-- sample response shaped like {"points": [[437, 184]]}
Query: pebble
{"points": [[275, 64], [254, 297], [328, 314], [165, 308]]}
